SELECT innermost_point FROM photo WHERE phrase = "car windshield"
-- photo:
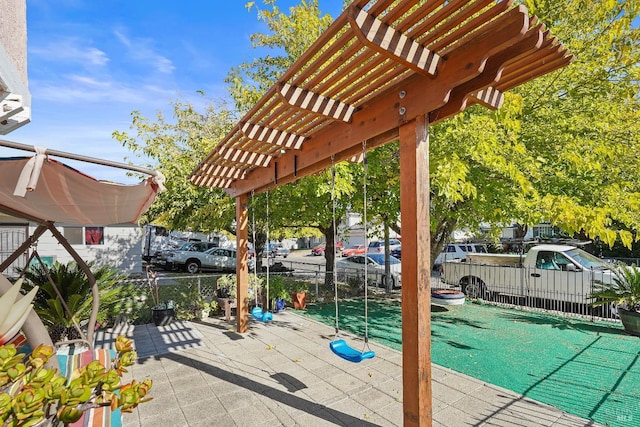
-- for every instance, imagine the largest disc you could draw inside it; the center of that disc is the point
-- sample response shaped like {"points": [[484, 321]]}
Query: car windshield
{"points": [[586, 260], [379, 259]]}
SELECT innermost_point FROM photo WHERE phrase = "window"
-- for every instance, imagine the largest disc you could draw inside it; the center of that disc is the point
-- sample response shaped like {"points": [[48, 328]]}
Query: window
{"points": [[94, 236], [73, 235], [84, 235], [545, 261]]}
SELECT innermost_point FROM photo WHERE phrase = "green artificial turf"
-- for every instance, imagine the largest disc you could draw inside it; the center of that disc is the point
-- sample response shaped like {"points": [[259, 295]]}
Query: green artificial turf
{"points": [[590, 369]]}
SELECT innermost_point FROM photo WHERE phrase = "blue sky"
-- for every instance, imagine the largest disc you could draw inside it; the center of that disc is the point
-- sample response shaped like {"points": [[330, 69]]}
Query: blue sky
{"points": [[91, 63]]}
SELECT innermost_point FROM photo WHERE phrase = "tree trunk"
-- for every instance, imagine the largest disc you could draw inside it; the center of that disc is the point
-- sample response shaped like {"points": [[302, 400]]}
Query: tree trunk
{"points": [[258, 246], [388, 283], [329, 254], [440, 238]]}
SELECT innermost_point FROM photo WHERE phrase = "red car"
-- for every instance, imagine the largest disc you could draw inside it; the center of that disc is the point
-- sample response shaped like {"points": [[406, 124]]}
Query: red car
{"points": [[319, 250], [354, 250]]}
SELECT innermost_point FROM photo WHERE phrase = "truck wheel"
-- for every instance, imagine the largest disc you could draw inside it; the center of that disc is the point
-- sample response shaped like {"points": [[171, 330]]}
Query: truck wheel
{"points": [[192, 266], [474, 287]]}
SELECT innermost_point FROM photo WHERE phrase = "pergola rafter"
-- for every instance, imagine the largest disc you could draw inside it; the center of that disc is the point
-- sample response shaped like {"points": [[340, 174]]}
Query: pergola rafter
{"points": [[384, 70]]}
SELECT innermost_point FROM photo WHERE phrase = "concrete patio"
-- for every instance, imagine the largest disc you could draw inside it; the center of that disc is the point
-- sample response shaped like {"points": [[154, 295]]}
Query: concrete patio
{"points": [[283, 373]]}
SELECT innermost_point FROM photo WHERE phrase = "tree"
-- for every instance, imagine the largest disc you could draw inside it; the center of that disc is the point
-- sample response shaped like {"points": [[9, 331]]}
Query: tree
{"points": [[563, 148], [176, 148], [305, 203]]}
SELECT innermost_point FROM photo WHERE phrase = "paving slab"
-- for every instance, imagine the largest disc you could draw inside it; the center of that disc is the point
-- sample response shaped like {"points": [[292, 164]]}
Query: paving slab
{"points": [[283, 373]]}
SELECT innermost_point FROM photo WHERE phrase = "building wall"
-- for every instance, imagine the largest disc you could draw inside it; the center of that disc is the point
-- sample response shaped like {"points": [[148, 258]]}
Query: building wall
{"points": [[15, 98], [13, 35], [121, 248]]}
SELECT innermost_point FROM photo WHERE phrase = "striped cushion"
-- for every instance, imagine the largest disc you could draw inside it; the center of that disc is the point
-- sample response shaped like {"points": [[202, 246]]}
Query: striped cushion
{"points": [[102, 416]]}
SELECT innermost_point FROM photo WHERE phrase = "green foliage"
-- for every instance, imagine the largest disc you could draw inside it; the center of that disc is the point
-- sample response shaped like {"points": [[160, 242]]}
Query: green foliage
{"points": [[175, 148], [563, 148], [289, 36], [228, 284], [190, 304], [624, 290], [187, 301], [75, 289], [31, 393], [277, 289]]}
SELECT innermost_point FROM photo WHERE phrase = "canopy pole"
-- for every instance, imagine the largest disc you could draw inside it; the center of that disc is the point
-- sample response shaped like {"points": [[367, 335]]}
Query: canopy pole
{"points": [[25, 147], [95, 293], [33, 328]]}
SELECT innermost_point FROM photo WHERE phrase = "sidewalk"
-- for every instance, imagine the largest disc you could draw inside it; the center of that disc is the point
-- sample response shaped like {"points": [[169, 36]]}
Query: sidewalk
{"points": [[283, 373]]}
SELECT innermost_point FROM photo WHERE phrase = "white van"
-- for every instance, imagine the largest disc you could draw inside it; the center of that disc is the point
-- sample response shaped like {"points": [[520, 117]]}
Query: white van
{"points": [[458, 251]]}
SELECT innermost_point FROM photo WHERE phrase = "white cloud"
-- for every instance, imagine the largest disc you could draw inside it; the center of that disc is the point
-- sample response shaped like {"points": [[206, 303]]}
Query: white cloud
{"points": [[81, 89], [70, 50], [141, 51]]}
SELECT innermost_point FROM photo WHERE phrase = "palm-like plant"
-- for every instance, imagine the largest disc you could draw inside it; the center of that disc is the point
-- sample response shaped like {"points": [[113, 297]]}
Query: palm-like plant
{"points": [[623, 291], [75, 289]]}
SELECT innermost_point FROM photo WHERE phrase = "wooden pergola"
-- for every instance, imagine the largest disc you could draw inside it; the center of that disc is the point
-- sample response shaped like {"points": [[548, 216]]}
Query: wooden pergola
{"points": [[384, 70]]}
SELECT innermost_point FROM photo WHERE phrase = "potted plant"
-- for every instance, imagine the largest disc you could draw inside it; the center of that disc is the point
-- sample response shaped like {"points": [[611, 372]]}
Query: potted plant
{"points": [[227, 291], [161, 313], [202, 308], [622, 292], [278, 293], [33, 394], [299, 295]]}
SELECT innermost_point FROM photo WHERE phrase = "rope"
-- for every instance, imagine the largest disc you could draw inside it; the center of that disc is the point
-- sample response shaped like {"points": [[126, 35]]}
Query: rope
{"points": [[268, 255], [333, 211], [366, 245], [253, 232]]}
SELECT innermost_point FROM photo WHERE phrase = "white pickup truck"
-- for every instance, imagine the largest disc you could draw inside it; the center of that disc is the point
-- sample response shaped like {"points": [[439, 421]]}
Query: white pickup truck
{"points": [[558, 272]]}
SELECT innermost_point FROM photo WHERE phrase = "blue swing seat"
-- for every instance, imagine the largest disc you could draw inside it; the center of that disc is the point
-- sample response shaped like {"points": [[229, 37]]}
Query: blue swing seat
{"points": [[342, 349], [261, 316]]}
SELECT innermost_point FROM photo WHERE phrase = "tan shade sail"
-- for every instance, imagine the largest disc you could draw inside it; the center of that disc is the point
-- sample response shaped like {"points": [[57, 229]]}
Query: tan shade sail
{"points": [[380, 64], [60, 194]]}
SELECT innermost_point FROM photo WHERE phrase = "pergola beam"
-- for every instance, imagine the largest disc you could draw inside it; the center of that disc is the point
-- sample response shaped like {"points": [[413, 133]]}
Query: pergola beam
{"points": [[417, 95], [307, 100], [392, 43], [272, 136]]}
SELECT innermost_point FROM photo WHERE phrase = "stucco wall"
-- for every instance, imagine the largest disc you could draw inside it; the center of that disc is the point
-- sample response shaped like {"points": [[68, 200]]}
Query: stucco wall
{"points": [[13, 35]]}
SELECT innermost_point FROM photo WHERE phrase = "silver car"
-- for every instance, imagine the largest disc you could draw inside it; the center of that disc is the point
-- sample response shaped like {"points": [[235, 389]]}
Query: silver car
{"points": [[218, 259], [353, 266]]}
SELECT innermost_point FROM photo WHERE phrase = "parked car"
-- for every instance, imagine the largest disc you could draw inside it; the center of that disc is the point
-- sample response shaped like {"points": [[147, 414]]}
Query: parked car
{"points": [[354, 250], [218, 259], [458, 251], [162, 259], [353, 266], [397, 252], [547, 272], [273, 250], [378, 245], [319, 250]]}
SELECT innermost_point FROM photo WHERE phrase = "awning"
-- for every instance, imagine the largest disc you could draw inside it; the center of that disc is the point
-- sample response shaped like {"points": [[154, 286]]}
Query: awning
{"points": [[42, 190]]}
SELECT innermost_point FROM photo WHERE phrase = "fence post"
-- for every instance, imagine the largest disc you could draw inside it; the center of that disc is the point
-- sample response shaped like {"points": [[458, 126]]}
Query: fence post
{"points": [[199, 287]]}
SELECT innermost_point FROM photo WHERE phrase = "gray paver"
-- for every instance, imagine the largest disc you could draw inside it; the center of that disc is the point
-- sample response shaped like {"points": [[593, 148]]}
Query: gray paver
{"points": [[283, 374]]}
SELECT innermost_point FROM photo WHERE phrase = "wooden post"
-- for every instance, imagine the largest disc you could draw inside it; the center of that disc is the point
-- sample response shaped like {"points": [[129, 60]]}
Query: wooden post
{"points": [[242, 269], [416, 287]]}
